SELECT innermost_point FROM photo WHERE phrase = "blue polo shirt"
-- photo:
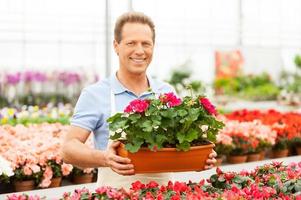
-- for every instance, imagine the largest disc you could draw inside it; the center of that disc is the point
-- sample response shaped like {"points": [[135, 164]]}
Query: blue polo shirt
{"points": [[93, 107]]}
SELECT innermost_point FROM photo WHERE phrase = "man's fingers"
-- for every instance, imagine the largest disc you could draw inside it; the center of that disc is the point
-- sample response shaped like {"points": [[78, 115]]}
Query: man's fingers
{"points": [[115, 144], [119, 166], [120, 159], [213, 154], [124, 172], [211, 161], [209, 166]]}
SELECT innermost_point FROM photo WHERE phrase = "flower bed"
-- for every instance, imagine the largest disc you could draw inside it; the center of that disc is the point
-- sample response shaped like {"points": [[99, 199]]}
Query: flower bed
{"points": [[287, 125], [271, 181], [33, 152], [35, 115]]}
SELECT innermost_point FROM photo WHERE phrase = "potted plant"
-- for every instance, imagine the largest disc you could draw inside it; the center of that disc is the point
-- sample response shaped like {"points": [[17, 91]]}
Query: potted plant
{"points": [[238, 153], [166, 126], [26, 178], [80, 176], [222, 147]]}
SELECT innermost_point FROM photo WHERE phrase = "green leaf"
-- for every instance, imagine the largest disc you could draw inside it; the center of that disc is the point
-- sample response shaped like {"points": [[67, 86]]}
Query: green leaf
{"points": [[184, 146], [134, 118], [191, 135], [114, 117], [221, 179], [182, 112], [298, 186], [133, 147], [169, 113], [180, 137], [147, 126]]}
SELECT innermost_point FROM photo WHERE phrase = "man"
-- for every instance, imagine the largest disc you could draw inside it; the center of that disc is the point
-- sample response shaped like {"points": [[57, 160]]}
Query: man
{"points": [[134, 38]]}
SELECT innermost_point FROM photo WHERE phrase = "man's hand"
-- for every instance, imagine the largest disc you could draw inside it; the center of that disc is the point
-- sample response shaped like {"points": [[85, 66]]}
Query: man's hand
{"points": [[211, 161], [117, 163]]}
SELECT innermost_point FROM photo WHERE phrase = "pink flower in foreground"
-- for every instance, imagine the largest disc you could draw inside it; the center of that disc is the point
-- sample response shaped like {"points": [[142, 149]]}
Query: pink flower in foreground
{"points": [[209, 107], [170, 99], [137, 105]]}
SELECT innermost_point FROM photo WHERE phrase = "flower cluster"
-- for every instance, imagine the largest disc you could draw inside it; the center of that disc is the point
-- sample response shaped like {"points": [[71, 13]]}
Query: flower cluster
{"points": [[36, 114], [137, 105], [286, 125], [41, 87], [246, 137], [271, 181], [33, 151], [167, 121]]}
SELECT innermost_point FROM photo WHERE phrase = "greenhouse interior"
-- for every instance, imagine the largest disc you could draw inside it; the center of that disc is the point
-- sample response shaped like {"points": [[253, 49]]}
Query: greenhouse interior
{"points": [[141, 99]]}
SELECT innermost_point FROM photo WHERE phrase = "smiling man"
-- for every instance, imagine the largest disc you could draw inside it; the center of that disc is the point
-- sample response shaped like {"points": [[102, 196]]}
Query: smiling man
{"points": [[134, 39]]}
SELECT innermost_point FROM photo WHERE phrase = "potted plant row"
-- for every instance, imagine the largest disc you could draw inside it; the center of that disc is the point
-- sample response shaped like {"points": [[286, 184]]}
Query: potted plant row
{"points": [[166, 134]]}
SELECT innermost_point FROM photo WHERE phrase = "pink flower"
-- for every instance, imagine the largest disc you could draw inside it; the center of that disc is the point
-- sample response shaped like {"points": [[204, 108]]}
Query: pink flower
{"points": [[35, 168], [45, 183], [27, 171], [209, 107], [137, 105], [66, 169], [170, 99]]}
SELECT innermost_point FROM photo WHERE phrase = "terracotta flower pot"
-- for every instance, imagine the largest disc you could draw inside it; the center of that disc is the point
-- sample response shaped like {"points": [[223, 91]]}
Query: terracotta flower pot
{"points": [[298, 149], [168, 159], [55, 182], [24, 185], [253, 157], [262, 155], [280, 153], [237, 159], [85, 178]]}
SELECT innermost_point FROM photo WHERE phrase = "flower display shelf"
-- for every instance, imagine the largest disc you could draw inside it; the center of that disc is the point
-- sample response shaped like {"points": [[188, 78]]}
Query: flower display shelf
{"points": [[168, 159]]}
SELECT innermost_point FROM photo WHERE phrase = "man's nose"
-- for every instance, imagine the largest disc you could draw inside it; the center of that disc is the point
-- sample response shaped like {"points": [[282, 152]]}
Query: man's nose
{"points": [[139, 49]]}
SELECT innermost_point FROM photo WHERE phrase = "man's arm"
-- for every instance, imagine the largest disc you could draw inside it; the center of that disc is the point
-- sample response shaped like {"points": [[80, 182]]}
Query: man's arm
{"points": [[75, 152]]}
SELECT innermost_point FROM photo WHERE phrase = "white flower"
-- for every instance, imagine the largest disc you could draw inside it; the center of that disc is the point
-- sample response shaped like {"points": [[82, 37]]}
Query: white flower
{"points": [[5, 167]]}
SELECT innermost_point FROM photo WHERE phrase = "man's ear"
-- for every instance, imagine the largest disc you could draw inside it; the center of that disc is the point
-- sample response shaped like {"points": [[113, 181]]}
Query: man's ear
{"points": [[116, 47]]}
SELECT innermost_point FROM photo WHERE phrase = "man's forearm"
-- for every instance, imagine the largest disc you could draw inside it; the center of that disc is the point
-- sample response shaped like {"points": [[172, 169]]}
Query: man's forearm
{"points": [[76, 153]]}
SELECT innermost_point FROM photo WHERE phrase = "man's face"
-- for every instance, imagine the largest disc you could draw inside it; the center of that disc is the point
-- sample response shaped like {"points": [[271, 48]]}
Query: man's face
{"points": [[135, 49]]}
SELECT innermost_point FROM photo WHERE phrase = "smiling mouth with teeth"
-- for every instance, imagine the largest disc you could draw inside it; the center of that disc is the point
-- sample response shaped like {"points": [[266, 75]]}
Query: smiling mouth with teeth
{"points": [[138, 60]]}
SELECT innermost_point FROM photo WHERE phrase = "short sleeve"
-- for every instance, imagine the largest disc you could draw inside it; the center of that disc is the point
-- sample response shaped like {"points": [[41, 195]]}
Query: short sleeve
{"points": [[86, 115], [166, 88]]}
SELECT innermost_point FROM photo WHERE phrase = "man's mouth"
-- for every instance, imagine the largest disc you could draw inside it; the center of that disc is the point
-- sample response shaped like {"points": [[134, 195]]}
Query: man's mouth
{"points": [[138, 60]]}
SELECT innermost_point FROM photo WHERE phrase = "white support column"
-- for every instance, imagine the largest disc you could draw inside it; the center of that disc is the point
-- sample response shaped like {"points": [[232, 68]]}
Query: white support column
{"points": [[108, 39]]}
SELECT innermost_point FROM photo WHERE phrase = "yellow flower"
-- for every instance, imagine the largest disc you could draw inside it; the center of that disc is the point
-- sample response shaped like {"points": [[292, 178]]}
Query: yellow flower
{"points": [[4, 120], [36, 108], [11, 112]]}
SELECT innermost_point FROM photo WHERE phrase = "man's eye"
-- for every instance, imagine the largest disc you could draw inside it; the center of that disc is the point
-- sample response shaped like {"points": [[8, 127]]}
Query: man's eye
{"points": [[130, 43]]}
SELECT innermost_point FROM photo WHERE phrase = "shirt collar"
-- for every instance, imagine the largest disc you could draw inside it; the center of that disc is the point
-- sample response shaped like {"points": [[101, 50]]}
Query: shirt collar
{"points": [[118, 88]]}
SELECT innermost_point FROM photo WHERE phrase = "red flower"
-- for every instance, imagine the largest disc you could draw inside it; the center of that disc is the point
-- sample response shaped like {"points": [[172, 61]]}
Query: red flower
{"points": [[209, 107], [180, 187], [152, 184], [137, 105], [137, 185], [170, 99], [219, 171]]}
